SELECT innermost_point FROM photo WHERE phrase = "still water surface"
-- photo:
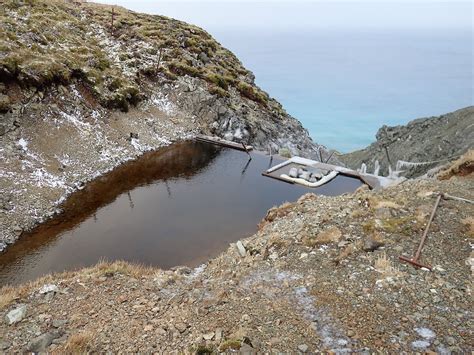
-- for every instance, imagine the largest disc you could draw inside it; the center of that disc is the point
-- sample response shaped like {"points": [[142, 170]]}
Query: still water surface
{"points": [[180, 205]]}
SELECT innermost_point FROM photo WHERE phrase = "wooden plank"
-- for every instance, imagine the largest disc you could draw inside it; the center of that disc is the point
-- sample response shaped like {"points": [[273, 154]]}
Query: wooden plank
{"points": [[224, 143]]}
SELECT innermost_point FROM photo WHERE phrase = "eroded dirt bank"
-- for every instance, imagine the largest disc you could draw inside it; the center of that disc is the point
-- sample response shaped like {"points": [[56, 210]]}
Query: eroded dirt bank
{"points": [[321, 274], [55, 150]]}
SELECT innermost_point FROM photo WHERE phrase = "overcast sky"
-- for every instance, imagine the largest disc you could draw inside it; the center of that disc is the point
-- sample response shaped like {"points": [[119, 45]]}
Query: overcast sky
{"points": [[282, 14]]}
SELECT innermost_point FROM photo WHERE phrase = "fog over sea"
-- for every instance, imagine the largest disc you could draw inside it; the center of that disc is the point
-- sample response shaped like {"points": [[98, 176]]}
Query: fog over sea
{"points": [[345, 68]]}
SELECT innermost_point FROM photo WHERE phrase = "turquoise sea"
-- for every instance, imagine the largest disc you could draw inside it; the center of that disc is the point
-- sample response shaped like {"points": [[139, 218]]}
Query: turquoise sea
{"points": [[344, 85]]}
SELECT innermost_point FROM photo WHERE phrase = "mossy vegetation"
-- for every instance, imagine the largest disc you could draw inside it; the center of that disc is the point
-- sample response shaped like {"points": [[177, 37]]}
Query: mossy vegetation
{"points": [[230, 345], [403, 225], [204, 350], [49, 42], [4, 103]]}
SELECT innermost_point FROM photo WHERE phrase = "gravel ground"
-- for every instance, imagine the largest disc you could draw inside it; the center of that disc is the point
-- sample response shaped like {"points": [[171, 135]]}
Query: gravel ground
{"points": [[320, 274]]}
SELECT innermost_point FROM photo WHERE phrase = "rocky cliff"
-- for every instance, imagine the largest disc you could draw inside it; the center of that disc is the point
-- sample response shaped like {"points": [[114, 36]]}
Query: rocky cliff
{"points": [[84, 87], [421, 145]]}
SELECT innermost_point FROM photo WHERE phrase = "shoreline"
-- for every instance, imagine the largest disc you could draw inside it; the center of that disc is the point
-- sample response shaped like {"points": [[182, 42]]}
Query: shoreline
{"points": [[39, 175]]}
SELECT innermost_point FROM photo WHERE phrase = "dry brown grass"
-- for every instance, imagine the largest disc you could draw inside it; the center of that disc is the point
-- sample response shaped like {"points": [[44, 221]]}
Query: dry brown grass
{"points": [[276, 212], [348, 251], [376, 202], [468, 224], [7, 295], [461, 167], [384, 266], [402, 225], [307, 197], [277, 241], [330, 235], [359, 213], [79, 342], [105, 268]]}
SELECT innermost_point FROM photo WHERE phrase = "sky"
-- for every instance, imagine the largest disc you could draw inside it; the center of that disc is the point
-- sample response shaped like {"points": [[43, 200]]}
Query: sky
{"points": [[284, 14]]}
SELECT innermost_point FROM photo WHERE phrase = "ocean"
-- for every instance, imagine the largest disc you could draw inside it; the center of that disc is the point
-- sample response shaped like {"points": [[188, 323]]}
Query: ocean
{"points": [[345, 84]]}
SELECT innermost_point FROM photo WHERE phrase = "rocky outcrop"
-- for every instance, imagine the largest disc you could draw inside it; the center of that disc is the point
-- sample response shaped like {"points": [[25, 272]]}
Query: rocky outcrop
{"points": [[421, 145]]}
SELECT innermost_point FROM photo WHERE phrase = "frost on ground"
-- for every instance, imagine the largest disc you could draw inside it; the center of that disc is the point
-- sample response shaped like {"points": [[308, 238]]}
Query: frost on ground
{"points": [[163, 103], [428, 336], [270, 284]]}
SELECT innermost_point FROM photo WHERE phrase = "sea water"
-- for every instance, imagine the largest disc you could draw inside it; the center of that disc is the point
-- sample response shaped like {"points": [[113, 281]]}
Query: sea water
{"points": [[345, 84]]}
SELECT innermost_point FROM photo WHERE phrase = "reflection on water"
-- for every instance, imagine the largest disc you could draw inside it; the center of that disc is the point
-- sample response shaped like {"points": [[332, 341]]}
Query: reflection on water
{"points": [[180, 205]]}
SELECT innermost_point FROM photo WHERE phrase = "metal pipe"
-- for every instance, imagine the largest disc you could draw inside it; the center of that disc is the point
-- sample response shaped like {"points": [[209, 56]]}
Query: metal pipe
{"points": [[449, 197]]}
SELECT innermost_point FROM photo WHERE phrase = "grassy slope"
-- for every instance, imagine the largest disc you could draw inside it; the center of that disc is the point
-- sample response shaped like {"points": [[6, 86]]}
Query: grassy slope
{"points": [[48, 42]]}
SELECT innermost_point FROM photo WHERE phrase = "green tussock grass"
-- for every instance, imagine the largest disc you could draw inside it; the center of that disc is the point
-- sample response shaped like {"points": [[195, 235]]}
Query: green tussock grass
{"points": [[50, 42]]}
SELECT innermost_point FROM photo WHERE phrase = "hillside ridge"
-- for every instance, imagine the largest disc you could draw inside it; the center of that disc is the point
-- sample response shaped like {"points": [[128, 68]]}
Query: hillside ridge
{"points": [[423, 145]]}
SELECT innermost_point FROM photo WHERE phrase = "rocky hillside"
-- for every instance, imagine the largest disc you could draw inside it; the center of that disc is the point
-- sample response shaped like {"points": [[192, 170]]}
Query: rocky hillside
{"points": [[427, 142], [119, 59], [321, 274], [84, 87]]}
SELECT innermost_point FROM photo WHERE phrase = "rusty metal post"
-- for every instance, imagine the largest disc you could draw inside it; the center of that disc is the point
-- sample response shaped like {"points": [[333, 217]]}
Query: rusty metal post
{"points": [[112, 22], [246, 150], [329, 157]]}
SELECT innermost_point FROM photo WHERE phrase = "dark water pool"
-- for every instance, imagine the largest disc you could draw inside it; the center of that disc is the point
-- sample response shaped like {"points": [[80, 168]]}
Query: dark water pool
{"points": [[178, 206]]}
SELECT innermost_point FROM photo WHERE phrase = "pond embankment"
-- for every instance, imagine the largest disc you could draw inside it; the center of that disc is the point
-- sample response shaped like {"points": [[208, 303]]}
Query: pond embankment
{"points": [[178, 205], [321, 273]]}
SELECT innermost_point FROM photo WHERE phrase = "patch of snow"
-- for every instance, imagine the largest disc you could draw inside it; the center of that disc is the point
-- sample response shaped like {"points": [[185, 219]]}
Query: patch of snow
{"points": [[270, 284], [23, 143], [442, 350], [95, 114], [197, 271], [238, 133], [163, 103], [76, 93], [425, 333], [333, 338], [420, 344], [162, 140], [42, 178], [75, 120], [48, 288], [139, 146], [135, 143], [65, 159]]}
